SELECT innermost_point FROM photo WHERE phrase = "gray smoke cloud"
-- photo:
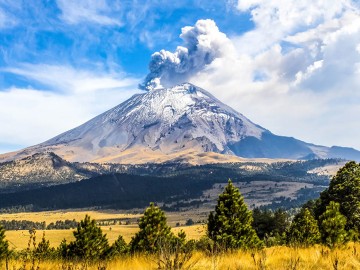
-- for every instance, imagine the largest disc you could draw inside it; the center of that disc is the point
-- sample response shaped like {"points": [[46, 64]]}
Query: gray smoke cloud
{"points": [[203, 43]]}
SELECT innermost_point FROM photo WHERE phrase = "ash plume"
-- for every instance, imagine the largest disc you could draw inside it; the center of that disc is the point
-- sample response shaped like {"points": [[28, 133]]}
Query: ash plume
{"points": [[203, 43]]}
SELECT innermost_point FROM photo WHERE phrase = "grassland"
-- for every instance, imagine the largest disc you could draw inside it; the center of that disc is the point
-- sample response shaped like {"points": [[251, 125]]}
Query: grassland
{"points": [[277, 258], [52, 216], [19, 239]]}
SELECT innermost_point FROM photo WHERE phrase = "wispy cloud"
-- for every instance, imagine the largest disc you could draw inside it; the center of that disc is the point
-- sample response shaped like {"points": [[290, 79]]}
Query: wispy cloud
{"points": [[29, 116], [67, 79], [96, 11], [6, 19]]}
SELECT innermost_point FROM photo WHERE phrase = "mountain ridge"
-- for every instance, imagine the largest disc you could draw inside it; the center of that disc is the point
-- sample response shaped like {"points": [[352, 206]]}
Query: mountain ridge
{"points": [[183, 120]]}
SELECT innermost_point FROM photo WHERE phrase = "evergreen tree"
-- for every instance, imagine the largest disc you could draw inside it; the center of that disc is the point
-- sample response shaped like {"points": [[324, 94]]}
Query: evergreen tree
{"points": [[90, 243], [344, 189], [332, 226], [263, 222], [43, 249], [231, 224], [271, 223], [4, 245], [304, 230], [119, 247], [153, 231]]}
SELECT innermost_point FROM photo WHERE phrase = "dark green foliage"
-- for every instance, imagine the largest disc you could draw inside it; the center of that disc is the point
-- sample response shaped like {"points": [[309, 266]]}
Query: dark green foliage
{"points": [[62, 225], [4, 245], [116, 190], [231, 224], [153, 231], [22, 225], [304, 230], [43, 249], [312, 205], [271, 226], [332, 226], [189, 222], [29, 225], [178, 182], [344, 189], [63, 250], [90, 243], [119, 247]]}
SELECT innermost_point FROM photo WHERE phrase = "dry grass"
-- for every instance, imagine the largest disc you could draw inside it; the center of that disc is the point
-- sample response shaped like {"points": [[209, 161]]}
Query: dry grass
{"points": [[52, 216], [19, 239], [278, 258]]}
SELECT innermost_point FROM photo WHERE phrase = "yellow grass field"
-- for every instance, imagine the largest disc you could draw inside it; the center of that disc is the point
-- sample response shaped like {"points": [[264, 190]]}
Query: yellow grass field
{"points": [[52, 216], [275, 258], [19, 239]]}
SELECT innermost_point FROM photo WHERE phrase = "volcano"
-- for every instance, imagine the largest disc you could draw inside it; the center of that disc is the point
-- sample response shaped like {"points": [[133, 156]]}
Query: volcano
{"points": [[172, 124]]}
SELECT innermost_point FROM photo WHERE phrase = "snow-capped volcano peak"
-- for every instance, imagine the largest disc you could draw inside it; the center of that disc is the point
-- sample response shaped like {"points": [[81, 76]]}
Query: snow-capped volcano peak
{"points": [[166, 123], [168, 120]]}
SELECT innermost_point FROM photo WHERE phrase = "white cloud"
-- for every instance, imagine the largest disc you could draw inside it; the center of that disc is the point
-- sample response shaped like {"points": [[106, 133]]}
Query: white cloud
{"points": [[30, 116], [6, 20], [96, 11], [70, 80], [297, 72]]}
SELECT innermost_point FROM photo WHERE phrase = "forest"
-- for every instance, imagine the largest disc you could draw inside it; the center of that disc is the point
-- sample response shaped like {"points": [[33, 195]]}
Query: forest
{"points": [[328, 225]]}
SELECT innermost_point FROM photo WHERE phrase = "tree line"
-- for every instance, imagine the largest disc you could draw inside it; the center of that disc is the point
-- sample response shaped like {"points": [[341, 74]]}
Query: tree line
{"points": [[10, 225], [332, 220]]}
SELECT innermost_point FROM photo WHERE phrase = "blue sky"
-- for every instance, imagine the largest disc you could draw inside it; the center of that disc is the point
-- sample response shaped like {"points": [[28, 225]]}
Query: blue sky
{"points": [[119, 36], [290, 66]]}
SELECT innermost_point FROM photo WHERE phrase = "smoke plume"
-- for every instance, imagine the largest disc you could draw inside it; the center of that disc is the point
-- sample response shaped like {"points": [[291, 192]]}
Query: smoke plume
{"points": [[203, 43]]}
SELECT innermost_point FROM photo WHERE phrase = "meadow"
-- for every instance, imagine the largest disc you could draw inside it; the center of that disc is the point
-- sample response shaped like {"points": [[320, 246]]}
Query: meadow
{"points": [[18, 239], [278, 258]]}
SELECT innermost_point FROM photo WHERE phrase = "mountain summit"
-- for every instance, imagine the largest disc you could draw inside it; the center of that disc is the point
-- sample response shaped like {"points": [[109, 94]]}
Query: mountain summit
{"points": [[165, 124]]}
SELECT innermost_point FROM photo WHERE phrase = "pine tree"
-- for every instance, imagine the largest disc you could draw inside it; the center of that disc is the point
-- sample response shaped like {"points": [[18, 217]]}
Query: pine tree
{"points": [[304, 230], [119, 247], [153, 231], [332, 226], [231, 224], [344, 189], [4, 245], [90, 243], [43, 249]]}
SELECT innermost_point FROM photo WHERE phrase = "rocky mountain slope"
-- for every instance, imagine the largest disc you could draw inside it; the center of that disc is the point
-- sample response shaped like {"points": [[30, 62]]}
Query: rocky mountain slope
{"points": [[40, 169], [165, 124]]}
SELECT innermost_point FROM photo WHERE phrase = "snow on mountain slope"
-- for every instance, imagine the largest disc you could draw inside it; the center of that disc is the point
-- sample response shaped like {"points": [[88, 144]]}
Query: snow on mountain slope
{"points": [[164, 123]]}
